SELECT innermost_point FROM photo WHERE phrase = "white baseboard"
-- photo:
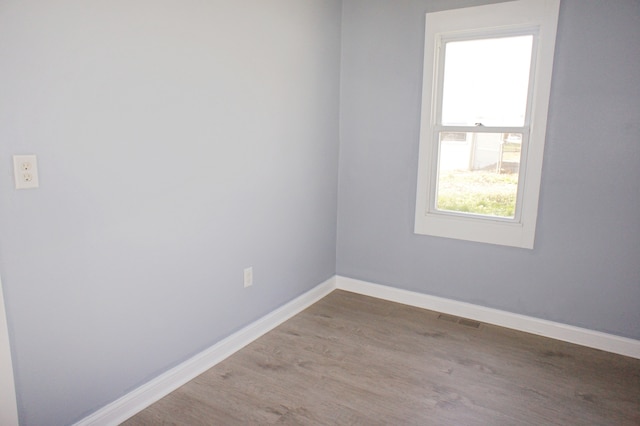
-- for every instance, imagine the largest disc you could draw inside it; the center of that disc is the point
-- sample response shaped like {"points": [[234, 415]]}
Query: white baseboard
{"points": [[140, 398], [554, 330]]}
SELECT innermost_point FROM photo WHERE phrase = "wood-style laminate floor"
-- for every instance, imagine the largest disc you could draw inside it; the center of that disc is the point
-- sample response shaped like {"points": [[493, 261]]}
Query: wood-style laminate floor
{"points": [[355, 360]]}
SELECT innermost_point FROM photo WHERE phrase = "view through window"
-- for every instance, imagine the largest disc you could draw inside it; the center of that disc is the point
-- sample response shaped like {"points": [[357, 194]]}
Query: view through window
{"points": [[485, 86], [479, 173]]}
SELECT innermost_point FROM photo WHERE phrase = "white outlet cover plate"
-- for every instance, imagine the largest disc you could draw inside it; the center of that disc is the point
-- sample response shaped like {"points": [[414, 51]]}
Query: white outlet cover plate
{"points": [[248, 277], [25, 171]]}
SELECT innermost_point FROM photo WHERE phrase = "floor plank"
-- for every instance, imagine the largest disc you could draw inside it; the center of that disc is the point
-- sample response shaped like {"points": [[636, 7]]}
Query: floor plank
{"points": [[355, 360]]}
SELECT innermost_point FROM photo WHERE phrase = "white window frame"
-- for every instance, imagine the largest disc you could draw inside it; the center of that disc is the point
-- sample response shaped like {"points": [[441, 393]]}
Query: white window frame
{"points": [[496, 20]]}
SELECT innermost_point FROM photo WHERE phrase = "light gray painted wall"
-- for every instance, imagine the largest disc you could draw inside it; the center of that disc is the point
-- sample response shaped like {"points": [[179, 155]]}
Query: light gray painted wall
{"points": [[178, 142], [585, 268]]}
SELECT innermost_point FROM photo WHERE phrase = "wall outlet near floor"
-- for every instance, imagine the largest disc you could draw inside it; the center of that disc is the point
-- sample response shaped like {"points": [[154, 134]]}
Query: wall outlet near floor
{"points": [[25, 171], [248, 276]]}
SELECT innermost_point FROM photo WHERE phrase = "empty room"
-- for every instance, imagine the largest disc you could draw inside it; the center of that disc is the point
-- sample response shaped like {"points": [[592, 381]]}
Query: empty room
{"points": [[376, 212]]}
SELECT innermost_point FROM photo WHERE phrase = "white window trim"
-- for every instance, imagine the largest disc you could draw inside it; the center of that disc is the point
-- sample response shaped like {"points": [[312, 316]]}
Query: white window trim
{"points": [[513, 15]]}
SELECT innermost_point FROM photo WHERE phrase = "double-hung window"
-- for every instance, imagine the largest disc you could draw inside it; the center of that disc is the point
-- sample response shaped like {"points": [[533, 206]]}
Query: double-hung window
{"points": [[487, 78]]}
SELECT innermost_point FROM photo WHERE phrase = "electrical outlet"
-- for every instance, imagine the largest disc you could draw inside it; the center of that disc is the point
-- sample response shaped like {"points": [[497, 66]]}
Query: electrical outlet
{"points": [[25, 171], [248, 276]]}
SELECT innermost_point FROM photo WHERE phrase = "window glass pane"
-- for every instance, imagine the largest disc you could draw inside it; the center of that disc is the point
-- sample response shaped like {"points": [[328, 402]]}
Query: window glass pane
{"points": [[478, 173], [486, 81]]}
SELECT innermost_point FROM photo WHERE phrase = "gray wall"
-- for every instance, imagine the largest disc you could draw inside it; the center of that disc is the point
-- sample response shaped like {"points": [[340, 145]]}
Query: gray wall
{"points": [[178, 142], [585, 268]]}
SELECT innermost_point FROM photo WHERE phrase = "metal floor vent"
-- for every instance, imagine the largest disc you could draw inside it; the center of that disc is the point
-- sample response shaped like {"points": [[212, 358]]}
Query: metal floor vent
{"points": [[458, 320]]}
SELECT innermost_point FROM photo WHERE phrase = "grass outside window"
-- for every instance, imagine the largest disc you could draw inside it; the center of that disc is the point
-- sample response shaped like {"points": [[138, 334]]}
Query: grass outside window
{"points": [[478, 192]]}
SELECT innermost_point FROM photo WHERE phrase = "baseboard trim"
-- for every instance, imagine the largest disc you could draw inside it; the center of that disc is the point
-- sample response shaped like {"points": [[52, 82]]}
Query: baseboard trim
{"points": [[554, 330], [140, 398]]}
